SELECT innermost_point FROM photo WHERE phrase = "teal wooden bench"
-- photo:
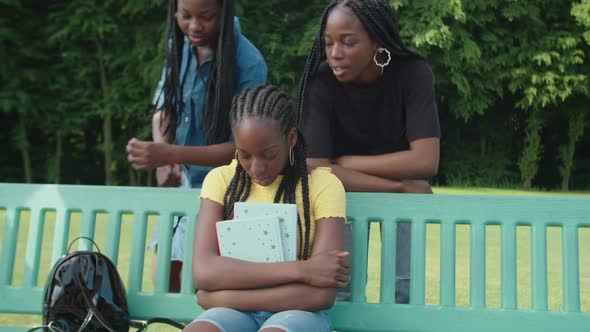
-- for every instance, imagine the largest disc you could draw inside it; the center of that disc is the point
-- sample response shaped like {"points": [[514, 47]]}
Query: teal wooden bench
{"points": [[445, 212]]}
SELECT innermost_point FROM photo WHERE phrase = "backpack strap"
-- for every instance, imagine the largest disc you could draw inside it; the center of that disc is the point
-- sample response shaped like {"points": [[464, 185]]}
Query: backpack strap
{"points": [[93, 310], [91, 307], [162, 321], [44, 327], [85, 238]]}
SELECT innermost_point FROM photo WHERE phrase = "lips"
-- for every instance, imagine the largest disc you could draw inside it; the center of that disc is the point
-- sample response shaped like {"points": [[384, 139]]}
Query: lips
{"points": [[338, 69], [196, 39], [263, 181]]}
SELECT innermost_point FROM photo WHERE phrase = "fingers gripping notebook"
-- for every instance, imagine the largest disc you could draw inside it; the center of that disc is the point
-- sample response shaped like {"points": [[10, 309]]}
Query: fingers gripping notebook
{"points": [[251, 239], [287, 214]]}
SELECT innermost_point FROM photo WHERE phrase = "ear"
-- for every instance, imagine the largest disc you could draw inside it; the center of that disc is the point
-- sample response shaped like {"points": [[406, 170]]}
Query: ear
{"points": [[292, 138], [375, 45]]}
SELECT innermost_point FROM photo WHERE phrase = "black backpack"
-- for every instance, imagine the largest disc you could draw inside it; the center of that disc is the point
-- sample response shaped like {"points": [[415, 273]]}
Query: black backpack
{"points": [[84, 292]]}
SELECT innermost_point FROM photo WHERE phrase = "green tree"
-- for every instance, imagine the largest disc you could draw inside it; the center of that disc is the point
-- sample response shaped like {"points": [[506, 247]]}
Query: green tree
{"points": [[23, 77], [486, 50], [577, 122], [283, 31], [111, 50]]}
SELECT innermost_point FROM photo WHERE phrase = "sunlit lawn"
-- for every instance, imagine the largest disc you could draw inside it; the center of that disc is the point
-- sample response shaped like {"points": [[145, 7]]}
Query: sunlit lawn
{"points": [[432, 259]]}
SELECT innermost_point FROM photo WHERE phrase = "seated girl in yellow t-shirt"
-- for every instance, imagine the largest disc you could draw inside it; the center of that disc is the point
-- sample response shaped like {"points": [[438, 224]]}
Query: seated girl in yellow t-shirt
{"points": [[270, 166]]}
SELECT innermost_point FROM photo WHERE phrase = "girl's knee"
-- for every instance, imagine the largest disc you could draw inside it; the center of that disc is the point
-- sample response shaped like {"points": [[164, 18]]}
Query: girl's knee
{"points": [[201, 327], [225, 320], [298, 320]]}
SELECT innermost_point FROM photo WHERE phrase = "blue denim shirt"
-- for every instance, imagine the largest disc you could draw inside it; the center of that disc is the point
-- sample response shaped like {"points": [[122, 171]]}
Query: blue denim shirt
{"points": [[250, 70]]}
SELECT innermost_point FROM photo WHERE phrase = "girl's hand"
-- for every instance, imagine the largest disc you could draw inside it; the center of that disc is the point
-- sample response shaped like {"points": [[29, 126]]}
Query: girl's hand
{"points": [[146, 155], [327, 269]]}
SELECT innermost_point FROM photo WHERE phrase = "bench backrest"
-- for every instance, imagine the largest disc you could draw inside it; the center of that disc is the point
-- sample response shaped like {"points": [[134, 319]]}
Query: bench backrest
{"points": [[445, 211]]}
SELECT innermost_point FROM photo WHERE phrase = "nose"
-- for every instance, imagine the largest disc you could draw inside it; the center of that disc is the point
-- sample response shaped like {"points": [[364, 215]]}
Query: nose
{"points": [[257, 167], [336, 51], [195, 25]]}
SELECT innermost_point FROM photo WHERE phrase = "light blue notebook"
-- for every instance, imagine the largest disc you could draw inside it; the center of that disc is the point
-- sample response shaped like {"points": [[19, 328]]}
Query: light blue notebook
{"points": [[287, 214], [251, 239]]}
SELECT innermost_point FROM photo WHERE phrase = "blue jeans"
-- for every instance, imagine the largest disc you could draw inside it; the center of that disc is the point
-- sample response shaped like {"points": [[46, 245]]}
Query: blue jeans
{"points": [[230, 320]]}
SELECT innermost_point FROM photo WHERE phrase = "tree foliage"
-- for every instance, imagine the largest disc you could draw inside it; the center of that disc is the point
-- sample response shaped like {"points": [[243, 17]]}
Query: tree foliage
{"points": [[511, 79]]}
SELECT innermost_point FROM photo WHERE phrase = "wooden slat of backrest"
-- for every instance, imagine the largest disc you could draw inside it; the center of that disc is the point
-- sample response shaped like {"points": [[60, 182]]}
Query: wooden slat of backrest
{"points": [[418, 262], [137, 252], [113, 236], [164, 249], [571, 269], [9, 245], [186, 281], [539, 266], [508, 264], [33, 250], [477, 289], [61, 234], [359, 259], [388, 261], [447, 263], [87, 229]]}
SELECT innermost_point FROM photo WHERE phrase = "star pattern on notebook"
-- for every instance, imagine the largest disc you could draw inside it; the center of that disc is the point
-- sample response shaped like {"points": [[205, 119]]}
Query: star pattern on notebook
{"points": [[287, 219]]}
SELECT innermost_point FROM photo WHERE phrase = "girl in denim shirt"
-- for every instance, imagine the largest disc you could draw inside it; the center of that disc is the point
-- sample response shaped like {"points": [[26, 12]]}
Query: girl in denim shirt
{"points": [[208, 60]]}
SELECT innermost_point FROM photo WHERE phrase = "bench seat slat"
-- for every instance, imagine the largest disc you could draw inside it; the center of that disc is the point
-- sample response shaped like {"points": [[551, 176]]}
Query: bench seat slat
{"points": [[411, 318]]}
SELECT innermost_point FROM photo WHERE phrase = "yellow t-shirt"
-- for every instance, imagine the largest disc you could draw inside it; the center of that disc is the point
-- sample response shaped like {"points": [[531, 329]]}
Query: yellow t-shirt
{"points": [[326, 193]]}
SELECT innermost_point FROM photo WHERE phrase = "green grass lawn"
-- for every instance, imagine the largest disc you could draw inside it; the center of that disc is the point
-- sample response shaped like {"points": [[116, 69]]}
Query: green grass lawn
{"points": [[432, 259]]}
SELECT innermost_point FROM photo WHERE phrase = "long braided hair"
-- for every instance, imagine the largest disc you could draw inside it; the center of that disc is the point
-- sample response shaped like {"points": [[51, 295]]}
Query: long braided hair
{"points": [[268, 102], [220, 83], [379, 20]]}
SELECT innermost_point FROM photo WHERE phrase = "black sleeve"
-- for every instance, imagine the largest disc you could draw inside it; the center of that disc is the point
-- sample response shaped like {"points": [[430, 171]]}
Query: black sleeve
{"points": [[420, 104], [316, 120]]}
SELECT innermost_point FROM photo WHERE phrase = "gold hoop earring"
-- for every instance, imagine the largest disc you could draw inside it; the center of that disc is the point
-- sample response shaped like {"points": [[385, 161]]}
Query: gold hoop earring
{"points": [[382, 51], [236, 154], [291, 157]]}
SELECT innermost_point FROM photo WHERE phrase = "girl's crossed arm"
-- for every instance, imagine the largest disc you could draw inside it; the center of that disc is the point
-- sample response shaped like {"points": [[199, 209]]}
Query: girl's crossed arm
{"points": [[212, 272], [313, 289]]}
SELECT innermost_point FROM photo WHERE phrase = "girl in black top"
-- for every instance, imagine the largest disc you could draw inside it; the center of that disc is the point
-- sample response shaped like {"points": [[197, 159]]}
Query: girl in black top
{"points": [[368, 103], [368, 110]]}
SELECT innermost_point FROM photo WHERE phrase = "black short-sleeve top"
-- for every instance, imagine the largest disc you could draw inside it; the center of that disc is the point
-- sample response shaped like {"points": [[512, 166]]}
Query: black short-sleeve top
{"points": [[343, 119]]}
